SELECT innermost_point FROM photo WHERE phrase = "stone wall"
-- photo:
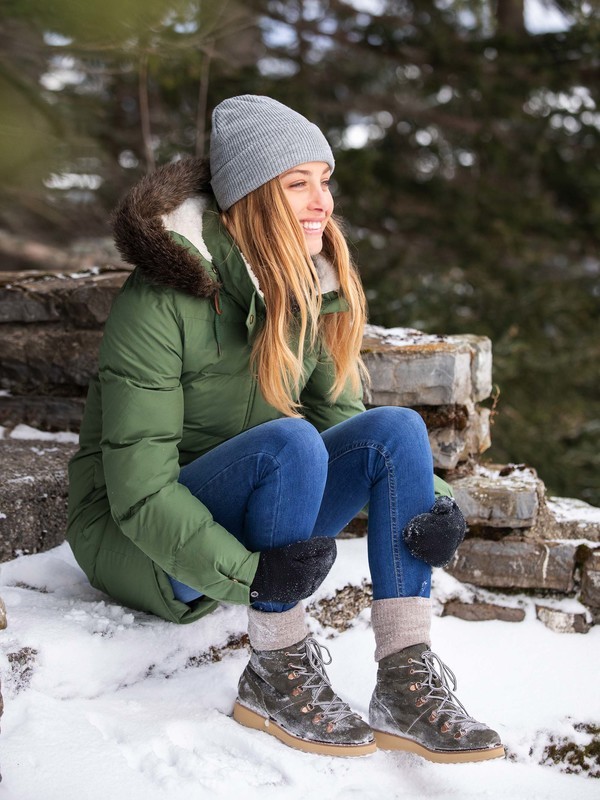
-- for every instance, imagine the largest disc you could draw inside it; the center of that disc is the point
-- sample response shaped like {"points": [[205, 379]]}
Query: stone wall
{"points": [[51, 326], [50, 329]]}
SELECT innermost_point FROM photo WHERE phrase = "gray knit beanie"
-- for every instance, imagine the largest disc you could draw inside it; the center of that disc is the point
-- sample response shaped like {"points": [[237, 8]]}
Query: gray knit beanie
{"points": [[254, 139]]}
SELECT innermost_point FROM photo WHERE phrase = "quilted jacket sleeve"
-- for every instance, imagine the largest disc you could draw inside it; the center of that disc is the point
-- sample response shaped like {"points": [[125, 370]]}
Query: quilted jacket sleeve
{"points": [[142, 416]]}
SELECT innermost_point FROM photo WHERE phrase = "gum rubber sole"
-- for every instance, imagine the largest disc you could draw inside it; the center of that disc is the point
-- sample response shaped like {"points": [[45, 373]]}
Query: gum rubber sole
{"points": [[388, 741], [251, 719]]}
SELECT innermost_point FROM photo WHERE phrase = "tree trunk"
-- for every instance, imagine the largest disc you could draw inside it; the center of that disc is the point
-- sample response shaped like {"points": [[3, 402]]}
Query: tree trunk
{"points": [[145, 114], [510, 17]]}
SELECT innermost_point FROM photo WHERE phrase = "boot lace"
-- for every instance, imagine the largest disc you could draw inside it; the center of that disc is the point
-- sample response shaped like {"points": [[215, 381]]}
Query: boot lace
{"points": [[441, 683], [312, 667]]}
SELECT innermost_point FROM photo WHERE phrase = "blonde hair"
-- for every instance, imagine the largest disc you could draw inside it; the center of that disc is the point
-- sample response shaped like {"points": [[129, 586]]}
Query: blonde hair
{"points": [[268, 234]]}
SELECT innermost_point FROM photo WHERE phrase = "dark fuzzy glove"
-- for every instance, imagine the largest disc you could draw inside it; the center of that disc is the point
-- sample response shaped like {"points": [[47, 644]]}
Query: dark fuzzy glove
{"points": [[291, 573], [435, 535]]}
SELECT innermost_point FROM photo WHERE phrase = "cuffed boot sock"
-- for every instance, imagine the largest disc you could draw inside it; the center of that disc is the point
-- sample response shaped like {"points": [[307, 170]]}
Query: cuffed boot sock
{"points": [[287, 693], [272, 630], [413, 708], [399, 622]]}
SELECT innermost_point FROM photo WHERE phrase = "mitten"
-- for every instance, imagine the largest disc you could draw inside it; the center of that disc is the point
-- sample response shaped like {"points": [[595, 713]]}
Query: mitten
{"points": [[291, 573], [435, 535]]}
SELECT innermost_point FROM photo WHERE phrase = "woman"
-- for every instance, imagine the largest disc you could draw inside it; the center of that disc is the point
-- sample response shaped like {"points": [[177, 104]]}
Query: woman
{"points": [[225, 443]]}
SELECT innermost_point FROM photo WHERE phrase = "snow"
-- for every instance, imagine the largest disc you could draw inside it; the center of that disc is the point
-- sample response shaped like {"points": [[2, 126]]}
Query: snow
{"points": [[509, 476], [570, 509], [403, 337], [25, 432], [117, 703]]}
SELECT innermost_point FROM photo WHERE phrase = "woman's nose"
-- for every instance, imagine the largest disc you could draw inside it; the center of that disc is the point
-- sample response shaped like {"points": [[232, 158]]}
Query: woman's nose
{"points": [[318, 197]]}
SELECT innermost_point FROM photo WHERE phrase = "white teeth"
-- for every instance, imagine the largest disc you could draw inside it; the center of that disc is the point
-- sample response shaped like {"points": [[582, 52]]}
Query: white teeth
{"points": [[311, 226]]}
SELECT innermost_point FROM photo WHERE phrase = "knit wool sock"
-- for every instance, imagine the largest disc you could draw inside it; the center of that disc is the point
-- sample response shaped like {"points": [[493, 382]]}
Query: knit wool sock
{"points": [[400, 622], [272, 630]]}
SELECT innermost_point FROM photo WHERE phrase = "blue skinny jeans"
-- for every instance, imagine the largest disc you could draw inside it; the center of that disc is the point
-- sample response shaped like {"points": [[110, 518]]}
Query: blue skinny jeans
{"points": [[283, 481]]}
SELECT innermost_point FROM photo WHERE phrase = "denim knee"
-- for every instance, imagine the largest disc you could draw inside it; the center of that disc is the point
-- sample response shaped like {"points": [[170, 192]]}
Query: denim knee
{"points": [[388, 423], [298, 439]]}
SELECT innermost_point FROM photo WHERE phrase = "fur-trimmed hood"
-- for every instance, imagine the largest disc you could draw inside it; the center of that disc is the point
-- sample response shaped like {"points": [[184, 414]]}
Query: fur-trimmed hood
{"points": [[173, 198], [170, 199]]}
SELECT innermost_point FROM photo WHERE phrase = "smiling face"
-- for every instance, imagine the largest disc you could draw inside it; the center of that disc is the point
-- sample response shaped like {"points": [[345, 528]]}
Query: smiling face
{"points": [[306, 188]]}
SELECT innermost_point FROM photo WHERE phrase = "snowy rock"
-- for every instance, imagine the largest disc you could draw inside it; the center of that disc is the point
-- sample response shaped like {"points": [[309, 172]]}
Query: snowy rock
{"points": [[478, 612], [33, 495], [562, 621], [82, 301], [569, 518], [499, 496], [515, 562], [442, 377], [410, 368]]}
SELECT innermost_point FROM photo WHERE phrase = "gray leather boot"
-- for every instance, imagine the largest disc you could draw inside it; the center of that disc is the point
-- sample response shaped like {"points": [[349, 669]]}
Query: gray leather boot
{"points": [[287, 693], [413, 708]]}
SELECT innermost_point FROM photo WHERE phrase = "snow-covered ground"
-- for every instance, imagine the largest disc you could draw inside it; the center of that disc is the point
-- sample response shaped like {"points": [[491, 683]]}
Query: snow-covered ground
{"points": [[118, 704]]}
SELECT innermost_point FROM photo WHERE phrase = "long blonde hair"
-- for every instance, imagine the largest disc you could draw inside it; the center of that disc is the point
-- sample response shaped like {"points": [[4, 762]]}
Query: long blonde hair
{"points": [[265, 229]]}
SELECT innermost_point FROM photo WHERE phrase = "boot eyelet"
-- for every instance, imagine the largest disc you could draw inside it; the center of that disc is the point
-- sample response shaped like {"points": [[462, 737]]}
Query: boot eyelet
{"points": [[330, 727], [292, 676], [420, 702], [410, 661], [413, 687], [305, 709], [445, 728], [432, 716], [458, 735], [411, 671], [316, 719]]}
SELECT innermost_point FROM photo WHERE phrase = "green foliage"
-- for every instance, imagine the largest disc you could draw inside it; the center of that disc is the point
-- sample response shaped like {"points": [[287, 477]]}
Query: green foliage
{"points": [[112, 22]]}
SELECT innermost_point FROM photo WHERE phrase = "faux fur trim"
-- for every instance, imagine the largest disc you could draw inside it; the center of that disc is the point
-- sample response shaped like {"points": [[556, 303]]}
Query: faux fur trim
{"points": [[171, 191]]}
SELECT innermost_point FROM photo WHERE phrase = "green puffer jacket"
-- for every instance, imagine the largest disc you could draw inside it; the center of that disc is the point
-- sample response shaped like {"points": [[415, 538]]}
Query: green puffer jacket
{"points": [[174, 381]]}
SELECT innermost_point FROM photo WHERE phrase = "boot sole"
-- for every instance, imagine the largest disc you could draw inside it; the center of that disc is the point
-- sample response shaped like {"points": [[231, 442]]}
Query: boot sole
{"points": [[250, 719], [389, 741]]}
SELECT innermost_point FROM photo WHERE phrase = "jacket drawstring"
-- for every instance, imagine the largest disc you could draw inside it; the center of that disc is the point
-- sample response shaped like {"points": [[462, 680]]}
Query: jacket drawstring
{"points": [[218, 313]]}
